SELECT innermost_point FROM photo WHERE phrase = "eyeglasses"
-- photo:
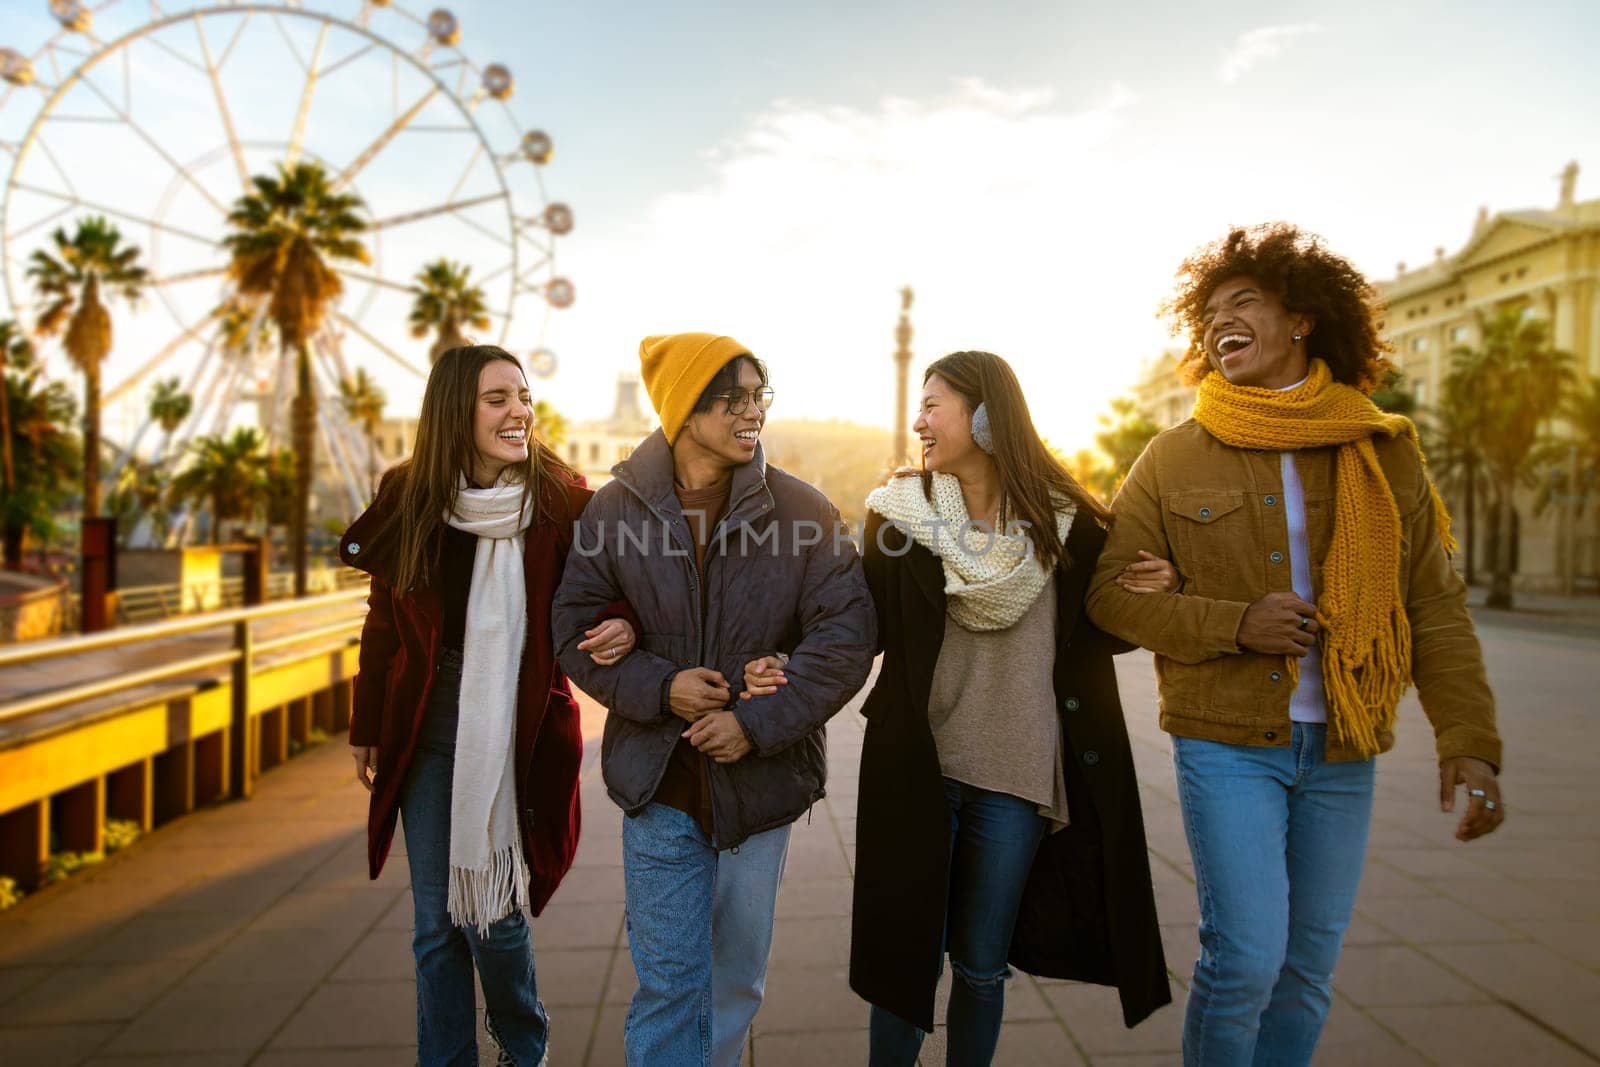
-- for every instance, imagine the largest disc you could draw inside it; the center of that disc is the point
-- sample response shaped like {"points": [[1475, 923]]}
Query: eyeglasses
{"points": [[739, 401]]}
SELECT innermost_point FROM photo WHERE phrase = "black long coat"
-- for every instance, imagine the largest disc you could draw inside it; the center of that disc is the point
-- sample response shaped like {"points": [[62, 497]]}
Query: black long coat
{"points": [[1088, 912]]}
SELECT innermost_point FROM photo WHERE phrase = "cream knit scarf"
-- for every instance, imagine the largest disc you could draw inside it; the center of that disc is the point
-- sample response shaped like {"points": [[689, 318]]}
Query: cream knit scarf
{"points": [[990, 578], [488, 873]]}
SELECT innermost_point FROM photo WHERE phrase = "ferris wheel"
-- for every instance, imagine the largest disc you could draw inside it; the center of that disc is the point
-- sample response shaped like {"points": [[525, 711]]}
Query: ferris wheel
{"points": [[157, 116]]}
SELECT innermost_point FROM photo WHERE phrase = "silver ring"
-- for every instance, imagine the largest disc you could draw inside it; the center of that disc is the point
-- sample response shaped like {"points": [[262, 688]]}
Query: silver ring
{"points": [[1491, 805], [1305, 620], [1476, 793]]}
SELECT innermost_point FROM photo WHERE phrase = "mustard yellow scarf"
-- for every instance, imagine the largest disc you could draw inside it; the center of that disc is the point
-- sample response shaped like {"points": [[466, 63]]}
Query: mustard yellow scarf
{"points": [[1366, 637]]}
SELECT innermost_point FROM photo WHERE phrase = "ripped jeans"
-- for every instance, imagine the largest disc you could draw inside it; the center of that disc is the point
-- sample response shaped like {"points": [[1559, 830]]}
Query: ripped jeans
{"points": [[993, 839]]}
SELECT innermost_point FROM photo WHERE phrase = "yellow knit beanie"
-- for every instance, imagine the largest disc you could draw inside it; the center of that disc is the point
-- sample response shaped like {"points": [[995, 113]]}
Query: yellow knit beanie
{"points": [[677, 367]]}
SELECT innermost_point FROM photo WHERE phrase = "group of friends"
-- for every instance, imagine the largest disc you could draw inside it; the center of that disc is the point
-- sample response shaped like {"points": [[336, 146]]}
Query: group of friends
{"points": [[1283, 553]]}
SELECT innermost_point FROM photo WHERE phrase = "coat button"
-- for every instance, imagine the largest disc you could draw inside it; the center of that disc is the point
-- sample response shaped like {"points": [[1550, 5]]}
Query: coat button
{"points": [[1091, 757], [1205, 513], [1269, 735], [1275, 676], [1276, 557], [1271, 500], [1071, 703], [354, 549]]}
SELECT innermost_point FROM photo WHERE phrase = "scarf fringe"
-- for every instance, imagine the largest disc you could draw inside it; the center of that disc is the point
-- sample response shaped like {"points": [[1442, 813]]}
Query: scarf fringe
{"points": [[483, 897]]}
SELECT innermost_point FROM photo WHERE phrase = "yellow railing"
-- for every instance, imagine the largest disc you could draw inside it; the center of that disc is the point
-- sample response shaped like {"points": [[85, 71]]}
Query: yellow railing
{"points": [[180, 722]]}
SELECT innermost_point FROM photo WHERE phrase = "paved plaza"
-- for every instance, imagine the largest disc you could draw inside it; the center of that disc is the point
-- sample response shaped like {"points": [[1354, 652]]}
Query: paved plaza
{"points": [[249, 934]]}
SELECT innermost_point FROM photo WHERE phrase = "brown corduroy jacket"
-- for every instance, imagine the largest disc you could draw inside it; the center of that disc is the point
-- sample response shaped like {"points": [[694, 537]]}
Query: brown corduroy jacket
{"points": [[1218, 513]]}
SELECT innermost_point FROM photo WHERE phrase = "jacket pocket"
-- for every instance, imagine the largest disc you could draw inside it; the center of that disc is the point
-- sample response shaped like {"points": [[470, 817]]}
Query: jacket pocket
{"points": [[1211, 537]]}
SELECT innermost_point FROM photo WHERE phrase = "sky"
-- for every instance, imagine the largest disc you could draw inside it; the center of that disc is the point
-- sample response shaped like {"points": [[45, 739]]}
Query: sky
{"points": [[1035, 171]]}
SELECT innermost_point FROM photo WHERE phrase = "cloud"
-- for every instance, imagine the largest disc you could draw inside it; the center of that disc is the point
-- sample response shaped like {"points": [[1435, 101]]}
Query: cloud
{"points": [[1261, 44], [994, 204]]}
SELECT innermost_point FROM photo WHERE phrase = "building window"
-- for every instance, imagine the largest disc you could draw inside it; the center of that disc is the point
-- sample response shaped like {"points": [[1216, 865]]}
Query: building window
{"points": [[1506, 277], [1460, 335], [572, 453], [1421, 393], [1419, 344], [1522, 272], [594, 452]]}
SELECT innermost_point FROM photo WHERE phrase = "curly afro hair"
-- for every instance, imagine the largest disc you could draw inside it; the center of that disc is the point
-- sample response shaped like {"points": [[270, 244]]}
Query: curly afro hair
{"points": [[1308, 279]]}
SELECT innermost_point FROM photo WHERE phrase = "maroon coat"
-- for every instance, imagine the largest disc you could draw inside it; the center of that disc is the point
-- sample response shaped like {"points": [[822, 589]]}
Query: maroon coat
{"points": [[399, 647]]}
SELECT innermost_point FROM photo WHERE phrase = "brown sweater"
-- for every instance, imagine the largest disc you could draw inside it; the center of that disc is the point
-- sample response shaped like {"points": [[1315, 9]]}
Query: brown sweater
{"points": [[686, 785]]}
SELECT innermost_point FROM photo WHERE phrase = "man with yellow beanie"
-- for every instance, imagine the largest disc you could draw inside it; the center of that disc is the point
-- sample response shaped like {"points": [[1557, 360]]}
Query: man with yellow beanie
{"points": [[725, 560], [1317, 587]]}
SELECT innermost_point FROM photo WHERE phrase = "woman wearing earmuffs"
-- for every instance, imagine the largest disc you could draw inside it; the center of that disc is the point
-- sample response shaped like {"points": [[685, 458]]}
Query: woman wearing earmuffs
{"points": [[998, 817]]}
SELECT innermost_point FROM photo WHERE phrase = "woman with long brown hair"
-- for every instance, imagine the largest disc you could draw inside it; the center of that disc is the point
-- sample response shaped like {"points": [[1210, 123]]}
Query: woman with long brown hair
{"points": [[998, 816], [460, 708]]}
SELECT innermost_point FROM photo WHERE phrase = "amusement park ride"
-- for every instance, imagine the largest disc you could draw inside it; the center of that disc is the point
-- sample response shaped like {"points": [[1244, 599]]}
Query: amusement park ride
{"points": [[157, 116]]}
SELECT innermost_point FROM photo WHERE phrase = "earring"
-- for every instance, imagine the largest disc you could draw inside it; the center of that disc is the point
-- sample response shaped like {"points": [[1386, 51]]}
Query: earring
{"points": [[1298, 338]]}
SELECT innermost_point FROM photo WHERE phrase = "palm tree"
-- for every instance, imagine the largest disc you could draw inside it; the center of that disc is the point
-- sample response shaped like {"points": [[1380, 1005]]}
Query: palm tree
{"points": [[282, 238], [169, 406], [363, 402], [71, 280], [14, 348], [549, 424], [1455, 459], [1127, 432], [44, 452], [446, 301], [140, 493], [1512, 384], [228, 474]]}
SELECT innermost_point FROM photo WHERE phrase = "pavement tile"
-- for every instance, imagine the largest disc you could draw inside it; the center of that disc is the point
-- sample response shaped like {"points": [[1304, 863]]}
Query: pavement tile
{"points": [[334, 910], [16, 980], [1380, 1050], [572, 978], [1576, 1020], [591, 885], [324, 1057], [354, 1015], [578, 926], [26, 1046], [1093, 1015], [809, 1000], [810, 943], [839, 1047], [822, 898], [1544, 899], [163, 937], [1525, 974], [1428, 920], [1398, 974], [1576, 939], [604, 1040], [275, 955], [41, 938], [383, 955], [1381, 880], [197, 1059], [207, 1017], [1478, 1033], [1451, 864], [83, 994]]}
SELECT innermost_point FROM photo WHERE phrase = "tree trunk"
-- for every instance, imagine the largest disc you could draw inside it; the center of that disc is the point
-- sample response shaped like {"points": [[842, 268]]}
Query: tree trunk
{"points": [[9, 470], [1472, 519], [449, 337], [14, 537], [91, 439], [1505, 514], [305, 415]]}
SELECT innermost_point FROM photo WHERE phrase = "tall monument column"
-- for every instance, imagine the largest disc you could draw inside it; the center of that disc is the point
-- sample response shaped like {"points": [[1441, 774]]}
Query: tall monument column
{"points": [[902, 365]]}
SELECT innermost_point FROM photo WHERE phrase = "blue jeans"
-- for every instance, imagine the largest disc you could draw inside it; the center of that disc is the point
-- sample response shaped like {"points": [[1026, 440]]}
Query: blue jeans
{"points": [[445, 953], [1278, 838], [993, 840], [700, 931]]}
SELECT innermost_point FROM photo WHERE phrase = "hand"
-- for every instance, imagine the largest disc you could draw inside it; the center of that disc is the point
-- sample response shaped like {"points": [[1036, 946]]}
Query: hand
{"points": [[763, 676], [719, 736], [697, 691], [1151, 574], [366, 758], [1279, 624], [608, 642], [1478, 777]]}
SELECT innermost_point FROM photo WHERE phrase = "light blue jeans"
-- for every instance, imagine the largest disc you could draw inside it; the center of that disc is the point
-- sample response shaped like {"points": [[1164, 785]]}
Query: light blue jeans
{"points": [[445, 953], [700, 931], [1278, 838], [994, 838]]}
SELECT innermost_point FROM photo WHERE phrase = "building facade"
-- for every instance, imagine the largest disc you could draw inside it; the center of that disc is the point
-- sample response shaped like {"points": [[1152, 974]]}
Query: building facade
{"points": [[1544, 263], [1161, 397], [595, 446]]}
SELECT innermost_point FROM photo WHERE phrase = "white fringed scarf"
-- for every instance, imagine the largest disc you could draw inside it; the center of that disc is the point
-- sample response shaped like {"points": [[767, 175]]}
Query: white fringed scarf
{"points": [[488, 873], [990, 578]]}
